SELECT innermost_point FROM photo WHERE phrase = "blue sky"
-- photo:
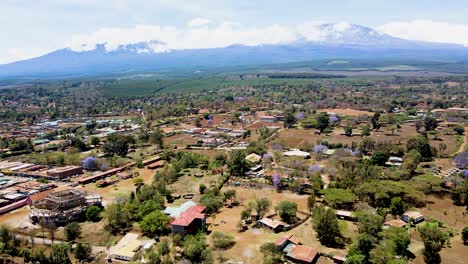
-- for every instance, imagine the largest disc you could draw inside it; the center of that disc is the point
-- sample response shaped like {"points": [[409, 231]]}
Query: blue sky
{"points": [[31, 28]]}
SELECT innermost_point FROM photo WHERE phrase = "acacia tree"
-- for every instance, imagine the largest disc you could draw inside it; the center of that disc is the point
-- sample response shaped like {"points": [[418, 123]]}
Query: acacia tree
{"points": [[261, 206], [286, 210]]}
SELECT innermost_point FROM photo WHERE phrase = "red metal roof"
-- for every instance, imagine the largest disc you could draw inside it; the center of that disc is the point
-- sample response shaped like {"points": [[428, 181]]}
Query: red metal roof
{"points": [[303, 253], [187, 217]]}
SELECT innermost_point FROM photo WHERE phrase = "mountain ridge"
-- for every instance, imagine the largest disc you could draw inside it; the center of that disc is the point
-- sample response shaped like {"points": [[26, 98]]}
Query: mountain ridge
{"points": [[340, 40]]}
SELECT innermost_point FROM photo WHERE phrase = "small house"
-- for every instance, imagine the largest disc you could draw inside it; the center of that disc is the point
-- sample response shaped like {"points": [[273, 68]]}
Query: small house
{"points": [[395, 223], [282, 242], [301, 254], [272, 224], [415, 216]]}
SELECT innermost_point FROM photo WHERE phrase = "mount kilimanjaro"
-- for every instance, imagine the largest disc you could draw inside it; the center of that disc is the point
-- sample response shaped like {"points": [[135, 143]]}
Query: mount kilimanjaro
{"points": [[333, 42]]}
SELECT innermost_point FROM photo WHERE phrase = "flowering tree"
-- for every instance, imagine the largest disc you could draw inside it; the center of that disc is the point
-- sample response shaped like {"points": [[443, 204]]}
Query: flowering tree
{"points": [[461, 160], [90, 163]]}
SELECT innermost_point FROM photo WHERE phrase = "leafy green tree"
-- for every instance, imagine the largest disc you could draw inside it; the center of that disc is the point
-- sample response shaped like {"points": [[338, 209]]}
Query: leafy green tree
{"points": [[400, 238], [154, 223], [163, 247], [260, 205], [289, 119], [464, 234], [411, 161], [196, 250], [117, 145], [237, 164], [323, 121], [310, 202], [287, 211], [156, 137], [59, 254], [430, 123], [118, 218], [95, 141], [201, 188], [348, 130], [367, 145], [230, 195], [397, 206], [379, 158], [82, 252], [434, 240], [149, 206], [245, 214], [271, 254], [382, 253], [375, 121], [420, 144], [222, 240], [326, 226], [366, 131], [369, 223], [72, 231], [212, 200], [356, 259]]}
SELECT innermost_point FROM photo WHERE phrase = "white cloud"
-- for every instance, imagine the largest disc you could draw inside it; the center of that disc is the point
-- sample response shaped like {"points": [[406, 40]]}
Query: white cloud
{"points": [[428, 30], [170, 38], [198, 22]]}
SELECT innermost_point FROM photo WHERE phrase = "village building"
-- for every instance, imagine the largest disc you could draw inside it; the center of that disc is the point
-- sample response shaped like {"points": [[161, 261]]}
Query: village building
{"points": [[395, 223], [272, 224], [64, 172], [417, 217], [62, 207], [253, 158], [187, 218], [268, 119], [297, 153]]}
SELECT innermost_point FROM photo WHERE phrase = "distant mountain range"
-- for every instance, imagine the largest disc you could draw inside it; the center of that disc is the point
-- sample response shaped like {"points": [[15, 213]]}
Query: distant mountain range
{"points": [[334, 42]]}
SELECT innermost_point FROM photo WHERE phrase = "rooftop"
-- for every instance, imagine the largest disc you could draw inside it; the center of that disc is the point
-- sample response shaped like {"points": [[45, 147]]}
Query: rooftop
{"points": [[303, 253], [187, 217]]}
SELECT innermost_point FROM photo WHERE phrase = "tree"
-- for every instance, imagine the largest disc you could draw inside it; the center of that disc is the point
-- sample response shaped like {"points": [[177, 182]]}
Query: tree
{"points": [[356, 259], [118, 218], [93, 213], [397, 206], [310, 202], [230, 195], [430, 123], [380, 158], [287, 211], [459, 130], [382, 253], [117, 145], [82, 252], [326, 226], [59, 254], [366, 131], [420, 144], [375, 121], [289, 119], [367, 145], [156, 137], [245, 214], [434, 240], [261, 206], [72, 231], [196, 250], [348, 130], [201, 188], [95, 141], [411, 161], [237, 163], [464, 234], [400, 238], [222, 240], [323, 121], [271, 254], [369, 223], [163, 247], [154, 223], [212, 200]]}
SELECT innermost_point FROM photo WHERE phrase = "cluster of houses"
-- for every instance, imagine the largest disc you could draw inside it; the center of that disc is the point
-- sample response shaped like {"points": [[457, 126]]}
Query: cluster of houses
{"points": [[214, 137], [14, 193]]}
